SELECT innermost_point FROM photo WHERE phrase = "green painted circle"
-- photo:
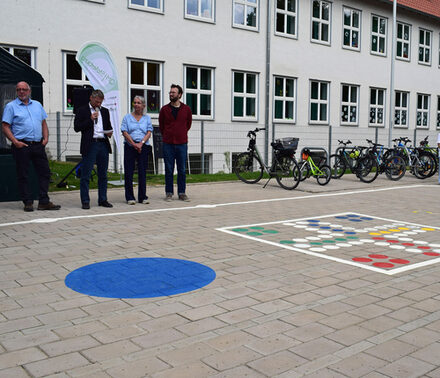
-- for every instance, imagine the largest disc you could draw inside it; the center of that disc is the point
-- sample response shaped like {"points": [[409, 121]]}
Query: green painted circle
{"points": [[352, 237], [287, 242], [239, 229], [256, 228], [316, 243], [270, 231], [254, 233], [340, 239], [328, 241]]}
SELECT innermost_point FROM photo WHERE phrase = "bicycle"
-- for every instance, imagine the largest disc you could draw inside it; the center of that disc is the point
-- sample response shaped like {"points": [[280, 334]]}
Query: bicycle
{"points": [[307, 167], [432, 150], [249, 166], [345, 159]]}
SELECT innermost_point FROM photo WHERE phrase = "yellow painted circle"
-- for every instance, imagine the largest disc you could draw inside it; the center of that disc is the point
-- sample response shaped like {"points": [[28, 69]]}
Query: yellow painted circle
{"points": [[393, 230], [374, 233], [384, 232], [428, 229], [403, 228]]}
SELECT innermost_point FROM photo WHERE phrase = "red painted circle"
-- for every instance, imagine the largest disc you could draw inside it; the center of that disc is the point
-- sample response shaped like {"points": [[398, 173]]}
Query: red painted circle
{"points": [[378, 256], [378, 238], [392, 241], [423, 247], [361, 259], [383, 265], [431, 253], [408, 244], [399, 261]]}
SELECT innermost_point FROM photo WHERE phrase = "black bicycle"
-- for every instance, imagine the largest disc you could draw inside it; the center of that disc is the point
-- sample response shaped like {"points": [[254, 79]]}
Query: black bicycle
{"points": [[249, 166]]}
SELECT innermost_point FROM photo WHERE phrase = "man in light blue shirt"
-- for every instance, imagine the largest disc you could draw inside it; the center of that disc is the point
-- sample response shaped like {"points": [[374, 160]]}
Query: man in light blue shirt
{"points": [[24, 124]]}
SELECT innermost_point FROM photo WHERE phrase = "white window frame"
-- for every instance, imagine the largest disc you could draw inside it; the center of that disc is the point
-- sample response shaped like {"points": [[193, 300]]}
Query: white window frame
{"points": [[246, 4], [319, 101], [378, 35], [400, 109], [199, 16], [286, 14], [375, 107], [145, 87], [32, 50], [198, 91], [147, 8], [284, 99], [423, 112], [97, 1], [321, 22], [404, 41], [350, 105], [351, 29], [75, 82], [245, 95], [425, 47], [438, 112]]}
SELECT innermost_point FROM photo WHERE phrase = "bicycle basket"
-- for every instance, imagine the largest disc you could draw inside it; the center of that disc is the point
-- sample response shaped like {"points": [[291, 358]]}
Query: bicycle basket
{"points": [[286, 145]]}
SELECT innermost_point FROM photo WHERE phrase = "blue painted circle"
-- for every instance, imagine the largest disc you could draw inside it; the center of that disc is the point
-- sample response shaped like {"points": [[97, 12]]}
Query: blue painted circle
{"points": [[313, 220], [340, 217], [366, 218], [352, 216], [139, 278], [355, 220], [350, 233], [338, 229]]}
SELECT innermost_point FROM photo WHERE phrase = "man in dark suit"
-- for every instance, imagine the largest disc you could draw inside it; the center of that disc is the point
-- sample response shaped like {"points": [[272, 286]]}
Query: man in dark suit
{"points": [[94, 123]]}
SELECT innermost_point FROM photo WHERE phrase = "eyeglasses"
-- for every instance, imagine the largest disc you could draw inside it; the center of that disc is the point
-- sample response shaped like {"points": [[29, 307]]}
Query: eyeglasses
{"points": [[22, 89]]}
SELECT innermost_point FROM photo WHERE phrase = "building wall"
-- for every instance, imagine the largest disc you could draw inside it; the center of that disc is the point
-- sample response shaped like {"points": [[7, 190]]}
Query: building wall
{"points": [[56, 26]]}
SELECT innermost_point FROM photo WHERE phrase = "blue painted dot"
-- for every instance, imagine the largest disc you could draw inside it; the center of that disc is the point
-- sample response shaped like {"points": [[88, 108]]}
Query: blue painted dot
{"points": [[338, 229], [355, 220], [325, 227], [139, 278], [313, 220], [352, 216], [340, 217], [350, 233], [366, 218]]}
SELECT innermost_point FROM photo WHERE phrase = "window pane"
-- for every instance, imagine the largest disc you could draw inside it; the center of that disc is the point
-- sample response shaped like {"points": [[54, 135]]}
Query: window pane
{"points": [[289, 88], [355, 40], [381, 45], [428, 39], [191, 101], [345, 93], [419, 102], [73, 68], [324, 91], [238, 82], [325, 11], [153, 101], [281, 4], [353, 94], [24, 55], [280, 23], [355, 19], [382, 26], [192, 7], [399, 49], [323, 112], [380, 97], [251, 18], [206, 9], [421, 37], [290, 25], [347, 17], [397, 101], [137, 2], [239, 14], [289, 110], [324, 33], [278, 109], [399, 30], [205, 78], [421, 54], [154, 3], [153, 77], [374, 43], [191, 78], [238, 106], [373, 99], [316, 8], [250, 107], [353, 114], [205, 104], [251, 84], [404, 98], [279, 86], [291, 6], [375, 27], [137, 72], [314, 111], [346, 37], [315, 30]]}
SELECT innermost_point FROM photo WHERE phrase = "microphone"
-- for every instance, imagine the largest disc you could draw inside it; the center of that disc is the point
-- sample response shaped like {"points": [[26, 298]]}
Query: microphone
{"points": [[96, 119]]}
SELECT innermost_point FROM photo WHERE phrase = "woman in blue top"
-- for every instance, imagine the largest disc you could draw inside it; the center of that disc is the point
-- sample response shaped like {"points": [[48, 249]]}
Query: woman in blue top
{"points": [[136, 128]]}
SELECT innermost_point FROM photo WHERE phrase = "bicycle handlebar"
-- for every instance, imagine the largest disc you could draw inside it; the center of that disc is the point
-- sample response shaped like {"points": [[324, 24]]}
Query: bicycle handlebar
{"points": [[253, 132], [344, 143]]}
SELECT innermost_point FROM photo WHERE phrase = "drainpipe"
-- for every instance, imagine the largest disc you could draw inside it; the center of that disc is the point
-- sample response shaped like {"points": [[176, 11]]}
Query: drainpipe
{"points": [[393, 59], [267, 86]]}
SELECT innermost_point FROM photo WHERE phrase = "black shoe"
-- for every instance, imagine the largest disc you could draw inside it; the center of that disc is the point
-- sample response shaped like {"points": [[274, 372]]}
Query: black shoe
{"points": [[105, 204], [28, 207], [48, 206], [85, 205]]}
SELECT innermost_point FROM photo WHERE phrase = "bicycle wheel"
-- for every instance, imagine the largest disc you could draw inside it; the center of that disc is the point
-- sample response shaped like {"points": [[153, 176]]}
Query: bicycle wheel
{"points": [[288, 174], [324, 177], [367, 169], [248, 168], [395, 167], [433, 163], [424, 165], [337, 166], [304, 170]]}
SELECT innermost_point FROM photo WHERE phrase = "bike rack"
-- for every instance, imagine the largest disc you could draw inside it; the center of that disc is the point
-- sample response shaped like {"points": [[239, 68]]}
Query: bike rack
{"points": [[317, 152]]}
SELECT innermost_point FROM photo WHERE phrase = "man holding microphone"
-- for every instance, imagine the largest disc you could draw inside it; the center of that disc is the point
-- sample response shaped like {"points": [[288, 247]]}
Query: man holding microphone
{"points": [[93, 121]]}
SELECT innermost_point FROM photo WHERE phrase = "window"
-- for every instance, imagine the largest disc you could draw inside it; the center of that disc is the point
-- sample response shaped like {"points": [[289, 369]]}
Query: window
{"points": [[200, 9], [352, 29], [244, 96], [147, 5], [284, 99], [319, 93], [25, 54], [378, 35], [74, 77], [422, 118], [146, 81], [403, 41], [321, 21], [199, 91], [424, 46], [377, 107], [438, 112], [245, 14], [401, 109], [349, 104], [286, 18]]}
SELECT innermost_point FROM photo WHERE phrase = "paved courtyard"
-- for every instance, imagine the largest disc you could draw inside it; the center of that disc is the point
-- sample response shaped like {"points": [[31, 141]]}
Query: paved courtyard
{"points": [[334, 281]]}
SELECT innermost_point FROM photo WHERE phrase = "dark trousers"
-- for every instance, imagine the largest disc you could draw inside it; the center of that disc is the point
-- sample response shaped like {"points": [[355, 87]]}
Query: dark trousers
{"points": [[98, 154], [175, 153], [36, 154], [131, 156]]}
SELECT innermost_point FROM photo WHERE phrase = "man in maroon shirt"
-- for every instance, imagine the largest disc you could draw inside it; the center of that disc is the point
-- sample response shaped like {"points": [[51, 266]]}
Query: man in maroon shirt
{"points": [[175, 120]]}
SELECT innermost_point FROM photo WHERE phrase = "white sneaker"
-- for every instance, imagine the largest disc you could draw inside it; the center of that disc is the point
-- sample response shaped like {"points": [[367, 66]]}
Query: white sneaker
{"points": [[131, 202], [145, 202]]}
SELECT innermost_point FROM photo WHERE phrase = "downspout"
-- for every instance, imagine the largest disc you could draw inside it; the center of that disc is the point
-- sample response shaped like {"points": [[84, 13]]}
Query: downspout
{"points": [[393, 59], [267, 86]]}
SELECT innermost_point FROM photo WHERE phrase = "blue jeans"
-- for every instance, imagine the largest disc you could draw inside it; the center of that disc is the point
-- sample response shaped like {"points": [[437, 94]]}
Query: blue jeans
{"points": [[130, 157], [98, 154], [175, 153]]}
